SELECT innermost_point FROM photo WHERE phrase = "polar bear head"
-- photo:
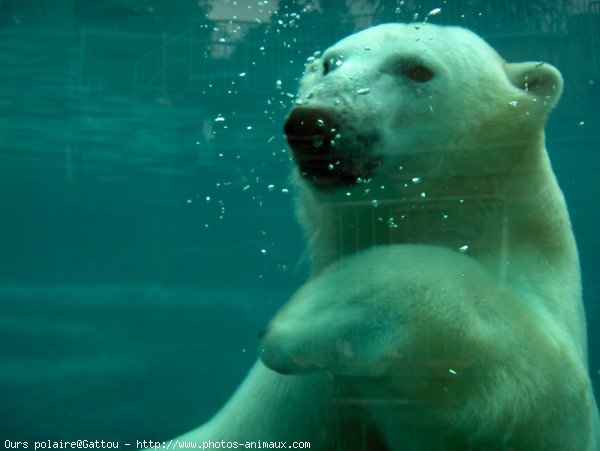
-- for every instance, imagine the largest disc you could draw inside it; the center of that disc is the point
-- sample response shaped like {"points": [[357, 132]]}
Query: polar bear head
{"points": [[396, 101]]}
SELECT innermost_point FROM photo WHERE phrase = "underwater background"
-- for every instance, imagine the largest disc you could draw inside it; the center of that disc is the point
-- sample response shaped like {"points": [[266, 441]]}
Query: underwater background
{"points": [[147, 231]]}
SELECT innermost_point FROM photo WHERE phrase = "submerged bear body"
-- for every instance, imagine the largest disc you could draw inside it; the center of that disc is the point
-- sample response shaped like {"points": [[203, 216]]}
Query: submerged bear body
{"points": [[444, 306]]}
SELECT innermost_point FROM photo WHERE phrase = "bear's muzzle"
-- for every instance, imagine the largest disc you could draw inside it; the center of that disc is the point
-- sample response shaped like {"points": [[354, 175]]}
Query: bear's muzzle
{"points": [[325, 150]]}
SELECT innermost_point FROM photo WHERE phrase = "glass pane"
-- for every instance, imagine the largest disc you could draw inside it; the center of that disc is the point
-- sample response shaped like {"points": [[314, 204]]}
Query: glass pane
{"points": [[177, 205]]}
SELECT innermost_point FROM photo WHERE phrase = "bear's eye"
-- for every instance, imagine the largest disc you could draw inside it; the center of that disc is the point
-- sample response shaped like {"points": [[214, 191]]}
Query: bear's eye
{"points": [[332, 62], [415, 71]]}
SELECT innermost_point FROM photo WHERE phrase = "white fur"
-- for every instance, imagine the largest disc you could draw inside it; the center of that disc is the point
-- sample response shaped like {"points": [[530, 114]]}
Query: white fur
{"points": [[445, 294]]}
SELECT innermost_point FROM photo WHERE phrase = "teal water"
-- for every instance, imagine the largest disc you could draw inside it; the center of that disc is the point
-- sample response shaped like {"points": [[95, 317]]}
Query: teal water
{"points": [[147, 231]]}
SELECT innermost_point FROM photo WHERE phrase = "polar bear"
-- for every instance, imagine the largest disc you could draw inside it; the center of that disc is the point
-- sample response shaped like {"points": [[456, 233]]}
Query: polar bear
{"points": [[444, 305]]}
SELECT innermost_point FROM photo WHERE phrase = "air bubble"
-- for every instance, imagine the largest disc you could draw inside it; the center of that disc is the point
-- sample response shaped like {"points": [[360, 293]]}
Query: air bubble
{"points": [[336, 61], [318, 141]]}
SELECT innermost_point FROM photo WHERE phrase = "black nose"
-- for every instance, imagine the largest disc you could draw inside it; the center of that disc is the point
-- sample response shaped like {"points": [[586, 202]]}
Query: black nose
{"points": [[310, 133], [323, 154]]}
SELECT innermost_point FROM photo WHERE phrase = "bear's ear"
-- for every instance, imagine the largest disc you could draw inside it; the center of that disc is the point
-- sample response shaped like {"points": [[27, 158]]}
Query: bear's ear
{"points": [[541, 80]]}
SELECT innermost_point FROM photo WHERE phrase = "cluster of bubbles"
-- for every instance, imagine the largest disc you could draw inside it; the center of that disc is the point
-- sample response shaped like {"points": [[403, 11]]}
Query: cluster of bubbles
{"points": [[277, 106]]}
